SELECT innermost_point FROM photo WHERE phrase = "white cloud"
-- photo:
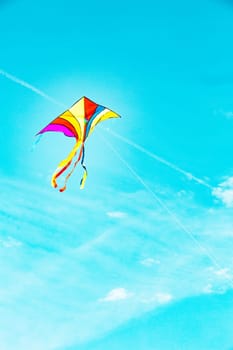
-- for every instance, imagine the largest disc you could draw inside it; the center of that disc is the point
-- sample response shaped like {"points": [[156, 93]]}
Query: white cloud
{"points": [[10, 242], [224, 273], [224, 192], [68, 262], [229, 115], [226, 114], [208, 289], [150, 262], [164, 298], [117, 294], [116, 214], [159, 298], [222, 276]]}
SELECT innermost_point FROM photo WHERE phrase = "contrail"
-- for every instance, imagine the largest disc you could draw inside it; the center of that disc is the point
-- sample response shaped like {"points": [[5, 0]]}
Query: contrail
{"points": [[172, 215], [29, 86], [189, 175]]}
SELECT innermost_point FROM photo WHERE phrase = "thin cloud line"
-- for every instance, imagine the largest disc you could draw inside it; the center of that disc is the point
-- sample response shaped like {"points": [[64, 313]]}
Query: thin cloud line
{"points": [[161, 160], [189, 175], [139, 179], [29, 87], [169, 211]]}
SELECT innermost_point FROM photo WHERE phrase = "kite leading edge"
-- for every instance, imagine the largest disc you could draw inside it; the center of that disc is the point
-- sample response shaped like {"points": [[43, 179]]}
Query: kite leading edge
{"points": [[79, 122]]}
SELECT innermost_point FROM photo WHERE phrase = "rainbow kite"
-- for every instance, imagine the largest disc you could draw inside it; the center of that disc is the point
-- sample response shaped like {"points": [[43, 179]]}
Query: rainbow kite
{"points": [[78, 121]]}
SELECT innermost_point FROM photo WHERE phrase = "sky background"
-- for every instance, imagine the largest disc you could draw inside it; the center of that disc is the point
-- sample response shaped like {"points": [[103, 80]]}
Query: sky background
{"points": [[142, 257]]}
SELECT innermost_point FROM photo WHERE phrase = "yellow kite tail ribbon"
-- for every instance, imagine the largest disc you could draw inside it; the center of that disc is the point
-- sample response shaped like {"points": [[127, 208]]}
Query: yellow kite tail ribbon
{"points": [[64, 164], [81, 153]]}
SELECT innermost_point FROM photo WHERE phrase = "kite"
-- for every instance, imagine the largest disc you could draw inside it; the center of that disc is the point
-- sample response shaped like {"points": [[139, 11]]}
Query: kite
{"points": [[79, 122]]}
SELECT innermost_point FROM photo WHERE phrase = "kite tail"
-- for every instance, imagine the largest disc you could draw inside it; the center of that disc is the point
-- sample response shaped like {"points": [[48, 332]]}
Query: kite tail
{"points": [[65, 163], [81, 156], [37, 140], [83, 180]]}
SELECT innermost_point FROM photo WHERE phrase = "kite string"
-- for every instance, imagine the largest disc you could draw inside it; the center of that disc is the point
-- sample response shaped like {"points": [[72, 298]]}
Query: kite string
{"points": [[124, 139], [169, 211], [139, 179], [189, 175]]}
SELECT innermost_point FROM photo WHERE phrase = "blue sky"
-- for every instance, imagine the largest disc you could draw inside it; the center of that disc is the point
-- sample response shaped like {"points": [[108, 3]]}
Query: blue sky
{"points": [[128, 261]]}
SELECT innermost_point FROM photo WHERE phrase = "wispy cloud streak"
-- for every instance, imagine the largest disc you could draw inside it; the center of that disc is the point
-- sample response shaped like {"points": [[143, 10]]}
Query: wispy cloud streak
{"points": [[224, 192], [171, 214], [133, 267], [189, 175], [29, 87], [116, 294], [161, 160]]}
